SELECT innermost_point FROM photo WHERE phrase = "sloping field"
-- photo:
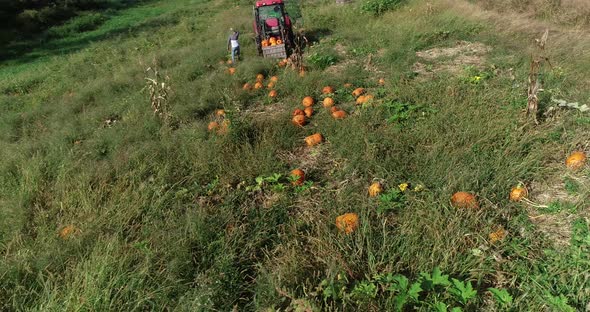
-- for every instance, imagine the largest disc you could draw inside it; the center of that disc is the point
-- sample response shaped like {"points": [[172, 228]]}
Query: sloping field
{"points": [[106, 206]]}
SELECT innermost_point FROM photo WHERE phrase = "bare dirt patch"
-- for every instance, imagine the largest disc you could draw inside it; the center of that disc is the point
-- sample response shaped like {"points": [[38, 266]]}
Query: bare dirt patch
{"points": [[452, 59]]}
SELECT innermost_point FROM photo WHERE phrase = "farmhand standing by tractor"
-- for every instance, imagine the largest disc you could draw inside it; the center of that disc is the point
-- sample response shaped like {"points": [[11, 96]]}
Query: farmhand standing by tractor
{"points": [[233, 45]]}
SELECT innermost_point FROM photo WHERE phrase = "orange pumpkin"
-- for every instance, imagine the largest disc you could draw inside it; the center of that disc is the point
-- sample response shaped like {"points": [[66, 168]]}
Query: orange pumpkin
{"points": [[348, 85], [270, 85], [259, 77], [340, 114], [298, 112], [375, 189], [314, 139], [272, 93], [518, 193], [464, 200], [300, 175], [361, 100], [358, 92], [279, 41], [264, 43], [327, 90], [334, 109], [347, 222], [381, 82], [328, 102], [299, 120], [308, 101], [274, 78], [220, 112], [496, 236], [231, 70], [247, 86], [213, 125], [272, 40], [67, 231], [258, 85], [224, 127], [282, 63], [576, 160], [308, 111]]}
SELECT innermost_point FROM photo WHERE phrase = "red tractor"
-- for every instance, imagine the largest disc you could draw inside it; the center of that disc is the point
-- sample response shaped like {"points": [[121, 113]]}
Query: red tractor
{"points": [[273, 29]]}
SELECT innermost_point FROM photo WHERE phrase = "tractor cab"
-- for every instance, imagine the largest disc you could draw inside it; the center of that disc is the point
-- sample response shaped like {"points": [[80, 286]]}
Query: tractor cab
{"points": [[272, 27]]}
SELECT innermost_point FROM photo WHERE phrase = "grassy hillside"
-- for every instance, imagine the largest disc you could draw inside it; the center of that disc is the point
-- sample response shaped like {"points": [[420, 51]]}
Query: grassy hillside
{"points": [[104, 206]]}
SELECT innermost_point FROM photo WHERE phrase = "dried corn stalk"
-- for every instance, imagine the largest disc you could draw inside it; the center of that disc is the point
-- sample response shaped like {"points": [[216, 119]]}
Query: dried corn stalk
{"points": [[159, 92]]}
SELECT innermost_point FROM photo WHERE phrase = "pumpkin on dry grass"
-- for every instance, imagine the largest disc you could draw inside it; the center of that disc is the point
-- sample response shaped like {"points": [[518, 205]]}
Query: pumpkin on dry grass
{"points": [[213, 126], [314, 139], [576, 160], [347, 222], [308, 111], [518, 193], [339, 114], [308, 101], [497, 235], [298, 176], [67, 231], [328, 102], [220, 112], [358, 92], [375, 189], [464, 200], [299, 120]]}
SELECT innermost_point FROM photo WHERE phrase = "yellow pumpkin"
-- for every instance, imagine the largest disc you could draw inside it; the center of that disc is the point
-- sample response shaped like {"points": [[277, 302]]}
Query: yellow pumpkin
{"points": [[272, 40], [464, 200], [347, 222], [308, 101], [576, 160], [314, 139], [300, 175], [518, 193], [375, 189]]}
